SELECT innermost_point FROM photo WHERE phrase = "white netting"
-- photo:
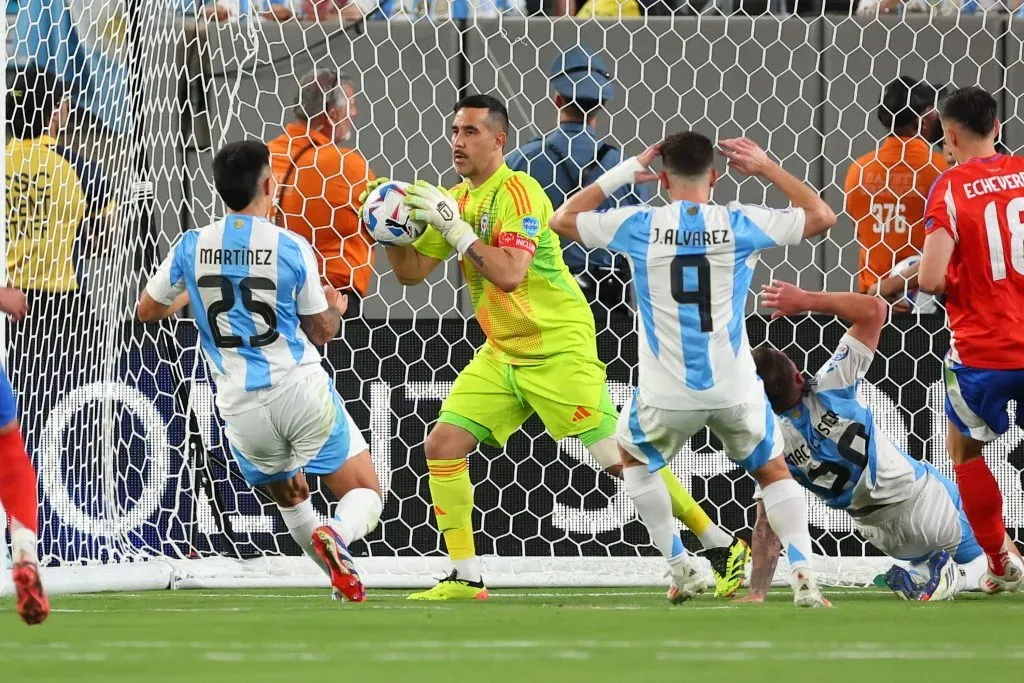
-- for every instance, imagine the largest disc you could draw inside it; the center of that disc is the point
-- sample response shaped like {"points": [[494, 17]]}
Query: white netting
{"points": [[119, 417]]}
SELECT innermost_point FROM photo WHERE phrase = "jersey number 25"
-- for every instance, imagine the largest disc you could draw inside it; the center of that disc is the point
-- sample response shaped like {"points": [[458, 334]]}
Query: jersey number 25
{"points": [[249, 302]]}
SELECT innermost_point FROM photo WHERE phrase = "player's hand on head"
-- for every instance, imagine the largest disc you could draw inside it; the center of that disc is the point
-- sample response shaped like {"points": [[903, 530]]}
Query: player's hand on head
{"points": [[13, 303], [370, 187], [744, 155], [433, 205], [646, 158], [785, 298]]}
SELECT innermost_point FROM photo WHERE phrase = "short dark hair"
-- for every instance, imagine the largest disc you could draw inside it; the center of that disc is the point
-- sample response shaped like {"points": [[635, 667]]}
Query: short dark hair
{"points": [[973, 108], [32, 100], [776, 372], [688, 154], [237, 169], [904, 102], [496, 110]]}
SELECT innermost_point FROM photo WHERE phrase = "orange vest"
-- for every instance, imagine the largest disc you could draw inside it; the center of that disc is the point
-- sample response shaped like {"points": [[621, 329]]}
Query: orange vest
{"points": [[885, 195], [317, 198]]}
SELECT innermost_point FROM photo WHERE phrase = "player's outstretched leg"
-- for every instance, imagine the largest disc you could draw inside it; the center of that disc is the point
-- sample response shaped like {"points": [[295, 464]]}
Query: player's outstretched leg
{"points": [[355, 515], [786, 509], [20, 499], [983, 505], [447, 449], [728, 555], [652, 502]]}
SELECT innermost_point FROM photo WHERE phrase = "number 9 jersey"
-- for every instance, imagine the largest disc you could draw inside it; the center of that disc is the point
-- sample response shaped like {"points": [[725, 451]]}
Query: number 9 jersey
{"points": [[249, 282], [692, 266], [833, 446]]}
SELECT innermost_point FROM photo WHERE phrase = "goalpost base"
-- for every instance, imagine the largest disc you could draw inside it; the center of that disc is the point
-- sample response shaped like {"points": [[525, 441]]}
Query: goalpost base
{"points": [[405, 572]]}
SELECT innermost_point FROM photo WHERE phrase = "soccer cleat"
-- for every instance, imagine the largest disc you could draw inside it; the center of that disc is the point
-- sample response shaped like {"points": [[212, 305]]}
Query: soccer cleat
{"points": [[728, 565], [452, 587], [899, 581], [344, 578], [943, 579], [686, 582], [1009, 579], [805, 590], [33, 606]]}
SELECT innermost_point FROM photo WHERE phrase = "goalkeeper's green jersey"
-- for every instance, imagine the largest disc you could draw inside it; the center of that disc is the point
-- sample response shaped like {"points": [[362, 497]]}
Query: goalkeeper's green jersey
{"points": [[547, 314]]}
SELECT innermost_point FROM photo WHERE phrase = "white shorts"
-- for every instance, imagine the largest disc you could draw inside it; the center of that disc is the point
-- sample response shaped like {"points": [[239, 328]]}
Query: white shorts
{"points": [[926, 523], [305, 427], [749, 431]]}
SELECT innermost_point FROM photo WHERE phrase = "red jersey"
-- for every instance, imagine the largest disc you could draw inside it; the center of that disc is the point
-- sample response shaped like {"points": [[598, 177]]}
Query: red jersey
{"points": [[981, 205]]}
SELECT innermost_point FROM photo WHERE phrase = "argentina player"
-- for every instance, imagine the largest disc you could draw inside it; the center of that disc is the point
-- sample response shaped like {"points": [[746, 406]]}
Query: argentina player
{"points": [[834, 448], [692, 263], [259, 305]]}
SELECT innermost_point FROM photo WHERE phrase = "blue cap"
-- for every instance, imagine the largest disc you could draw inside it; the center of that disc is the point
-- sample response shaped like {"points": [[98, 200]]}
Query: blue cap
{"points": [[579, 74]]}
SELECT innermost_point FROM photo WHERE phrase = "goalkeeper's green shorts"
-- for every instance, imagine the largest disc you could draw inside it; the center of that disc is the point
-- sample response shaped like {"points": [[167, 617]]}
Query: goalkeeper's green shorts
{"points": [[492, 399]]}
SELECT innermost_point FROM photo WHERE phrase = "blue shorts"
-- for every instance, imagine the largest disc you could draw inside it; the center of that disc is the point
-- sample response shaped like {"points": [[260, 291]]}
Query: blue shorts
{"points": [[977, 399], [8, 405]]}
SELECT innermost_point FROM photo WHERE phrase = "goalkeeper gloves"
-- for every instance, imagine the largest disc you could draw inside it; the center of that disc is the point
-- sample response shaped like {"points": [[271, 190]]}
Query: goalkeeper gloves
{"points": [[370, 187], [435, 206]]}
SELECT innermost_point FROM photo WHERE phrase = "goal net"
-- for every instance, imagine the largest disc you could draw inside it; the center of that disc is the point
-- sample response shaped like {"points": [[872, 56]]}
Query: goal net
{"points": [[137, 486]]}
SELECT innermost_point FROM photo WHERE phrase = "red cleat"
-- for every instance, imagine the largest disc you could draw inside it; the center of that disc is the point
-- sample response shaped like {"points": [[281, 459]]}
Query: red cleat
{"points": [[344, 577], [32, 603]]}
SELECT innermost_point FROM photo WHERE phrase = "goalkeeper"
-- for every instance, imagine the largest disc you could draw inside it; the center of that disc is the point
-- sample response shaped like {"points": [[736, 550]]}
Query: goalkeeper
{"points": [[541, 352]]}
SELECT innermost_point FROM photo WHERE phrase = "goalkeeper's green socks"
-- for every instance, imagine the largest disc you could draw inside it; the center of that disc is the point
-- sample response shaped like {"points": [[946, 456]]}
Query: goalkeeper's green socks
{"points": [[452, 494], [692, 515]]}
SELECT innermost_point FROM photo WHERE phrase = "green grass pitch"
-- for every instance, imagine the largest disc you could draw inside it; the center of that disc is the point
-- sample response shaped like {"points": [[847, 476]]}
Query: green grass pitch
{"points": [[518, 635]]}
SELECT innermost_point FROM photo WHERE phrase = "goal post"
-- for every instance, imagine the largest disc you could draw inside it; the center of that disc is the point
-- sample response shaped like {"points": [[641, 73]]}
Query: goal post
{"points": [[137, 487]]}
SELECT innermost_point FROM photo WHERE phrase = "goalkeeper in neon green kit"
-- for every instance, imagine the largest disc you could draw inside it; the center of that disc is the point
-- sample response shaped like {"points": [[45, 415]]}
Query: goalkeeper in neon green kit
{"points": [[541, 350]]}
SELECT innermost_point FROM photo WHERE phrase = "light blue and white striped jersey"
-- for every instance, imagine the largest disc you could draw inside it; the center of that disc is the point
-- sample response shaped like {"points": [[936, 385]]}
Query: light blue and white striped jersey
{"points": [[692, 266], [249, 281], [833, 446]]}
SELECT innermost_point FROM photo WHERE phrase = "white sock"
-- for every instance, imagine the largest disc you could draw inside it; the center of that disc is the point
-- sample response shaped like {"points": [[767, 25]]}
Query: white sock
{"points": [[972, 573], [715, 537], [468, 569], [24, 544], [653, 504], [357, 514], [301, 522], [786, 507]]}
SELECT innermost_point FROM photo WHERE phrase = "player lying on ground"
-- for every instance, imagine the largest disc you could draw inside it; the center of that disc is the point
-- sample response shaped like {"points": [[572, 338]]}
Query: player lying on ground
{"points": [[260, 305], [541, 350], [692, 262], [834, 448], [18, 494], [974, 254]]}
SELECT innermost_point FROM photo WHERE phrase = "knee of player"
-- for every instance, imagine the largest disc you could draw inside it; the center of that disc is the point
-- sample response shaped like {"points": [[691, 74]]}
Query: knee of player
{"points": [[772, 471], [436, 446], [290, 493]]}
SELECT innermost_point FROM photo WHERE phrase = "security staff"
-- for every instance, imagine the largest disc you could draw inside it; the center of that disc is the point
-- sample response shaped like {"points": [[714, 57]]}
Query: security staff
{"points": [[571, 157]]}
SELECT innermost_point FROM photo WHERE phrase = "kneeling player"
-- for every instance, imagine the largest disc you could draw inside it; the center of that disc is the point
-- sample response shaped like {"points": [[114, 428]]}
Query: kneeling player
{"points": [[260, 305], [906, 508]]}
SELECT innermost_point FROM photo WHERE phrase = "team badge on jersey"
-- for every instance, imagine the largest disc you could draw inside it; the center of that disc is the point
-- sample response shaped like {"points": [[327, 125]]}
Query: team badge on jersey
{"points": [[841, 353], [485, 223], [531, 226]]}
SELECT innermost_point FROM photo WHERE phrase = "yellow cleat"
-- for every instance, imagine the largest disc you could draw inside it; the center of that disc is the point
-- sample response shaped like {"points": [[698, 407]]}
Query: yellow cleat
{"points": [[452, 587], [728, 565]]}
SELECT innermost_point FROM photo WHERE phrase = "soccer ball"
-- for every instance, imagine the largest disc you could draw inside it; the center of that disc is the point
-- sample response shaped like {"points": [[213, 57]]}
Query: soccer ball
{"points": [[387, 218], [918, 301]]}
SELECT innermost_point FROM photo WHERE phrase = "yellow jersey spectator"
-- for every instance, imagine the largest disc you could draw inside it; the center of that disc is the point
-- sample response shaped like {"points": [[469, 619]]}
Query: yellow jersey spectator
{"points": [[51, 190]]}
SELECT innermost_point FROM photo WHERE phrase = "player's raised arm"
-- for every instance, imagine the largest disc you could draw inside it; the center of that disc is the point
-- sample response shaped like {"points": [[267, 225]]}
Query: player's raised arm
{"points": [[867, 313], [632, 171], [748, 158]]}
